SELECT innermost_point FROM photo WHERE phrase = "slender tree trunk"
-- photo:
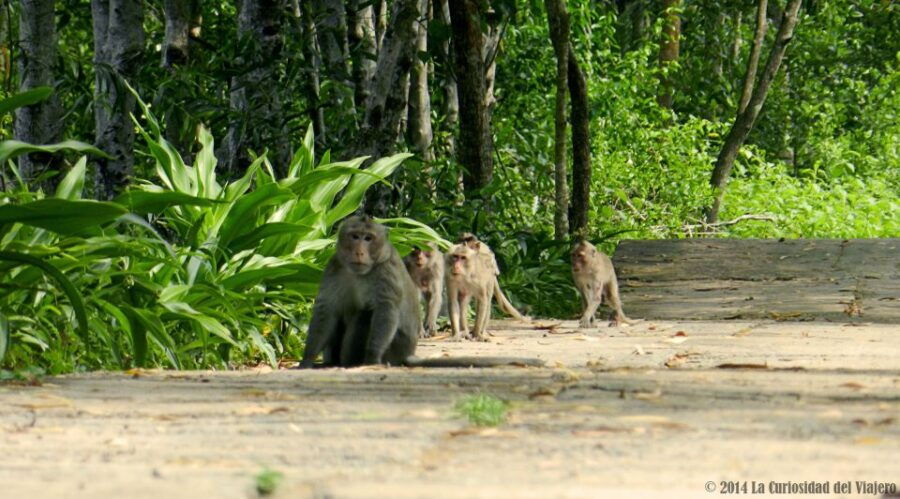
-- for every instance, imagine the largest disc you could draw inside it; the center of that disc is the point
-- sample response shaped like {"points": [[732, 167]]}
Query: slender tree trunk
{"points": [[745, 120], [581, 148], [5, 59], [331, 29], [737, 40], [668, 51], [386, 106], [490, 49], [179, 15], [256, 100], [361, 34], [381, 16], [753, 62], [448, 76], [313, 64], [558, 19], [118, 47], [712, 46], [38, 123], [474, 148], [419, 124]]}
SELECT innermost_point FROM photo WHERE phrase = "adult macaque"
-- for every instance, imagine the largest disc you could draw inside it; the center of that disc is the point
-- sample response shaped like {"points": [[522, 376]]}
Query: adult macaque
{"points": [[367, 309], [426, 267], [472, 273], [595, 279]]}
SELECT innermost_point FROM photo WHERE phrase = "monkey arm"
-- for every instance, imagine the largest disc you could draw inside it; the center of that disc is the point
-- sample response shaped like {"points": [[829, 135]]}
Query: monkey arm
{"points": [[385, 321], [322, 328]]}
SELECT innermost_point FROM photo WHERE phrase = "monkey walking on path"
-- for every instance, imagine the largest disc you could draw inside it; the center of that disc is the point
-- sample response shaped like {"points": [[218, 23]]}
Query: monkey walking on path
{"points": [[472, 273], [367, 309], [595, 279], [426, 267]]}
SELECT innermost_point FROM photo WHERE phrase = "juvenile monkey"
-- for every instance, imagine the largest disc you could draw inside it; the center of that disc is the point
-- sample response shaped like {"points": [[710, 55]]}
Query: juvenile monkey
{"points": [[595, 279], [367, 309], [426, 267], [472, 273]]}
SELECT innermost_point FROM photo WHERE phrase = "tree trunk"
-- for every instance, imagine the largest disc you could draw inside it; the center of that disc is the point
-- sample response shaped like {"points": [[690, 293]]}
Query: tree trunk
{"points": [[474, 147], [419, 124], [381, 16], [38, 123], [490, 48], [179, 17], [668, 51], [5, 59], [448, 77], [118, 47], [558, 19], [753, 62], [362, 48], [386, 106], [331, 29], [313, 64], [257, 120], [581, 148], [737, 39], [744, 121]]}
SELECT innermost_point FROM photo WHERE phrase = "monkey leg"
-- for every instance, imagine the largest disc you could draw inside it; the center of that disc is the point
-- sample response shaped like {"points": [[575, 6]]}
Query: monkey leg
{"points": [[464, 314], [482, 314], [593, 297], [453, 293], [353, 344], [434, 308], [324, 329], [383, 326], [613, 300]]}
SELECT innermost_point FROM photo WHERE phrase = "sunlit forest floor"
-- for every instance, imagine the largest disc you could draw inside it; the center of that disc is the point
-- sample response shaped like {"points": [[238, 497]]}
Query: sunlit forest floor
{"points": [[661, 407]]}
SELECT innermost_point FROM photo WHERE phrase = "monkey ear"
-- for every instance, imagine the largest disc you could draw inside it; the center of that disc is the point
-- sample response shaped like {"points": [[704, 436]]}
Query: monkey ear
{"points": [[476, 245]]}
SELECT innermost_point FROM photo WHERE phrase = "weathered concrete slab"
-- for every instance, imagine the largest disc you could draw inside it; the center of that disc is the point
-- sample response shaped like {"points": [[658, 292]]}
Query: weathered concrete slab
{"points": [[804, 279], [657, 409]]}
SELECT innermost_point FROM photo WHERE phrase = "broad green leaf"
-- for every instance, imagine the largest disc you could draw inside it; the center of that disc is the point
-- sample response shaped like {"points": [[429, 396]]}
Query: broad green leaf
{"points": [[145, 321], [242, 216], [303, 161], [353, 196], [252, 238], [72, 184], [261, 344], [205, 165], [208, 323], [26, 98], [322, 197], [9, 149], [295, 271], [143, 202], [62, 280], [61, 215]]}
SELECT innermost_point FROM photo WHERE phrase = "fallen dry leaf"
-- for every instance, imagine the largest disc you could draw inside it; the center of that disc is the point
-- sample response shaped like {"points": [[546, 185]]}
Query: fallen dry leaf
{"points": [[852, 385], [675, 340], [744, 331], [255, 410], [680, 333], [599, 431]]}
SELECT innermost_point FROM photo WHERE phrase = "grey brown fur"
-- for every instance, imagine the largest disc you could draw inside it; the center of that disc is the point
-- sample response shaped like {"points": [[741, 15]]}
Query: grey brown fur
{"points": [[595, 279], [426, 267], [367, 309]]}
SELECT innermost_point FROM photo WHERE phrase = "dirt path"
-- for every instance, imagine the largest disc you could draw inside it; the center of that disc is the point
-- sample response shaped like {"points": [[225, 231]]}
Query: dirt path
{"points": [[813, 401]]}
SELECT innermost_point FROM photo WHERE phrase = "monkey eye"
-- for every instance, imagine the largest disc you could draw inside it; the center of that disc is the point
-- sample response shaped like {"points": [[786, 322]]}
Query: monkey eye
{"points": [[368, 237]]}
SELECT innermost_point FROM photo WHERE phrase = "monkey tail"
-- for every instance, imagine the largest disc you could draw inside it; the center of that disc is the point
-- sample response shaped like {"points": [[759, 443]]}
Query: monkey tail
{"points": [[505, 304], [466, 362]]}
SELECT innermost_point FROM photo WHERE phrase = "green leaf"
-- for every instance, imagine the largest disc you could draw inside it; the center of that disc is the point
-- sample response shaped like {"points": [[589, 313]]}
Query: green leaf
{"points": [[26, 98], [144, 322], [61, 215], [72, 184], [299, 272], [143, 202], [353, 196], [252, 238], [242, 216], [64, 283], [9, 149]]}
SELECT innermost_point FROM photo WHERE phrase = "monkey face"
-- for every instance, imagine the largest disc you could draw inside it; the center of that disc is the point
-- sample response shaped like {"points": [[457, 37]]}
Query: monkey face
{"points": [[360, 244], [461, 259], [581, 255], [420, 257]]}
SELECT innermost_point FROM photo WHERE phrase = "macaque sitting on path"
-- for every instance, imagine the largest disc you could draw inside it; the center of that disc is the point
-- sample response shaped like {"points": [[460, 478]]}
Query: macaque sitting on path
{"points": [[595, 279]]}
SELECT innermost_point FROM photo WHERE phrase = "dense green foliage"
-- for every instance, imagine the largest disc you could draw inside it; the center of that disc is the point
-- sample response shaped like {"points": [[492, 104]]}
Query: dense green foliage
{"points": [[188, 269]]}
